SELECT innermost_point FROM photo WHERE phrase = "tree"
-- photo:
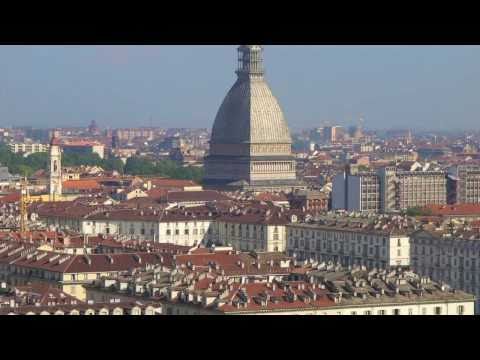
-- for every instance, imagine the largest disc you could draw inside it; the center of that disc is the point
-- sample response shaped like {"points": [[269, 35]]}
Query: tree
{"points": [[17, 164], [167, 168], [418, 211]]}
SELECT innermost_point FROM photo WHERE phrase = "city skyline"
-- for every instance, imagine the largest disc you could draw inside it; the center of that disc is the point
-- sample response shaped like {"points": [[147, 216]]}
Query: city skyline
{"points": [[421, 87]]}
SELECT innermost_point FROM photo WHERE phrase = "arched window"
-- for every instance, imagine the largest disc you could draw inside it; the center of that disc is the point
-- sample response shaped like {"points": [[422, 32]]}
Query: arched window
{"points": [[136, 311], [103, 311], [118, 311]]}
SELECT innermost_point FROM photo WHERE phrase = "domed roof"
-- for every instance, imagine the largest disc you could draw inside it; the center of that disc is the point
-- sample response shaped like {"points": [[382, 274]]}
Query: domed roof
{"points": [[250, 112]]}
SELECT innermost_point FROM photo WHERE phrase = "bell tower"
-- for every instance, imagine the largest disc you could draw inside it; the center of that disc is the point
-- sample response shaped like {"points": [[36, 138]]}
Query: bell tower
{"points": [[55, 169]]}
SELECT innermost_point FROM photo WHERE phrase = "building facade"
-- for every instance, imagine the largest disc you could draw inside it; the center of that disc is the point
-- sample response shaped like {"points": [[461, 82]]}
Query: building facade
{"points": [[28, 148], [324, 293], [127, 135], [453, 259], [388, 190], [465, 187], [359, 192], [412, 189], [372, 248]]}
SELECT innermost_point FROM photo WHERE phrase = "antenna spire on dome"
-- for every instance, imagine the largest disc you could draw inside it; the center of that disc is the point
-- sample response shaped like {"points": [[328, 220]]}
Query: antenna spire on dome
{"points": [[250, 61]]}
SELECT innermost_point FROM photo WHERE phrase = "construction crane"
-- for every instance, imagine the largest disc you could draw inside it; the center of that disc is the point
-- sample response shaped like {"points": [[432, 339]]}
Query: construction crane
{"points": [[24, 200]]}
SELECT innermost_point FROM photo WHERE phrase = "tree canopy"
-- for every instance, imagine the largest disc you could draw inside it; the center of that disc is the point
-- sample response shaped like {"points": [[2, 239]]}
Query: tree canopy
{"points": [[17, 164], [418, 211], [167, 168]]}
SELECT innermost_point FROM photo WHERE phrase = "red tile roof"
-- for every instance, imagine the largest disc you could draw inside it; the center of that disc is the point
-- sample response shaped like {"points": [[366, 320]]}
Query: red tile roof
{"points": [[10, 198], [171, 183], [229, 263], [271, 197], [453, 210], [93, 263], [278, 297], [194, 196], [81, 185]]}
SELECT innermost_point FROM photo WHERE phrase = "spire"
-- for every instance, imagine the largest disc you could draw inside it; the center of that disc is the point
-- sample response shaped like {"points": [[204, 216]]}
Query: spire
{"points": [[250, 61]]}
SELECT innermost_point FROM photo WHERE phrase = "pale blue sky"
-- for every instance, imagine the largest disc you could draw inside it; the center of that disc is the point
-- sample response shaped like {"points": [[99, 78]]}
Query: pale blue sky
{"points": [[424, 87]]}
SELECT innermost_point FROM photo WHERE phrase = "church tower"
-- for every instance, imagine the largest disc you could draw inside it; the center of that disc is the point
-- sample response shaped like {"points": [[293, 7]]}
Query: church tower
{"points": [[55, 169], [250, 148]]}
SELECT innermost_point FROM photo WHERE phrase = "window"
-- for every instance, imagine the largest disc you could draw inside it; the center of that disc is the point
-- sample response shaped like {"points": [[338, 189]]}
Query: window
{"points": [[354, 313], [438, 310], [177, 232], [399, 242], [399, 252], [169, 232], [396, 311], [368, 312], [410, 311], [460, 309], [381, 312], [186, 232]]}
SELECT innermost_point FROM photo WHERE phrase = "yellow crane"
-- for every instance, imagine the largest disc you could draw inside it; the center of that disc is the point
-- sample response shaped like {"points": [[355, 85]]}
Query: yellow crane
{"points": [[24, 201]]}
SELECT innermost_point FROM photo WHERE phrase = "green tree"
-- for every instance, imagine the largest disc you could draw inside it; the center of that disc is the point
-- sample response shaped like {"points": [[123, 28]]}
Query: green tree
{"points": [[418, 211]]}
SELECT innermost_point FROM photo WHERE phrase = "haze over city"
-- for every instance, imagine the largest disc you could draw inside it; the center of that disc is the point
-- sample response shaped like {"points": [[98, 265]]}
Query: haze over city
{"points": [[135, 190], [421, 87]]}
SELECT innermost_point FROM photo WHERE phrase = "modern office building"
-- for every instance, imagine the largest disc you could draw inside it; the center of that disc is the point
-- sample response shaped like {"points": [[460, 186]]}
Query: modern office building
{"points": [[390, 189]]}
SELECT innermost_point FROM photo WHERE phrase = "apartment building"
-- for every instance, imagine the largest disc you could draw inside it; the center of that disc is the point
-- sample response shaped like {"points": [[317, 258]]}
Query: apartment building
{"points": [[185, 227], [359, 192], [350, 244], [246, 227], [464, 184], [133, 133], [323, 292], [28, 148], [453, 258], [390, 189], [21, 263], [180, 227], [401, 190], [253, 230]]}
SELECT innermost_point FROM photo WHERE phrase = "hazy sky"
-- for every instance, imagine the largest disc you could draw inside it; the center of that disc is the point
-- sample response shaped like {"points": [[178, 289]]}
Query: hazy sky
{"points": [[424, 87]]}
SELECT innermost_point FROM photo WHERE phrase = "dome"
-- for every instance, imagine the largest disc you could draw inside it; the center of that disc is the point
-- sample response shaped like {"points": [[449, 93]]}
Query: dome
{"points": [[250, 112]]}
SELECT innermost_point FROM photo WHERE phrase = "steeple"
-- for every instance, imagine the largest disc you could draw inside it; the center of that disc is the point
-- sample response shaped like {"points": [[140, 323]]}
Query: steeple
{"points": [[250, 61]]}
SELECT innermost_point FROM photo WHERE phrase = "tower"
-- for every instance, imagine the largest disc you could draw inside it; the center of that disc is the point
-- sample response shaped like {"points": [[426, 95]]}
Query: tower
{"points": [[55, 169], [250, 148]]}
